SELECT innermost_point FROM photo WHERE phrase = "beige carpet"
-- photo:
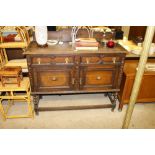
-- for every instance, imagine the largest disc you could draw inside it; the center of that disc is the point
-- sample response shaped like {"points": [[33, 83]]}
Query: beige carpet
{"points": [[143, 116]]}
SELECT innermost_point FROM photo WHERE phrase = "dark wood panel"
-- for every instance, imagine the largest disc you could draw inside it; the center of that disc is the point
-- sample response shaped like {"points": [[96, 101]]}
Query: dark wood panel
{"points": [[138, 31]]}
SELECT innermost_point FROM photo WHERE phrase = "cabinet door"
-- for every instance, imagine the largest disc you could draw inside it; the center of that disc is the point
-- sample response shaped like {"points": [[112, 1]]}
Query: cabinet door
{"points": [[97, 77], [53, 78]]}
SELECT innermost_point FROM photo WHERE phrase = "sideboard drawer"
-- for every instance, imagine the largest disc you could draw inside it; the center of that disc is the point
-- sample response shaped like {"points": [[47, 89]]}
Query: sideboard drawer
{"points": [[100, 59], [90, 59], [65, 60], [53, 60], [113, 59]]}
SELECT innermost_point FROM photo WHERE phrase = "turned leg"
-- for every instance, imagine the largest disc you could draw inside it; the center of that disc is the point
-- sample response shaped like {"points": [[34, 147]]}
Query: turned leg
{"points": [[113, 99], [114, 103], [36, 103]]}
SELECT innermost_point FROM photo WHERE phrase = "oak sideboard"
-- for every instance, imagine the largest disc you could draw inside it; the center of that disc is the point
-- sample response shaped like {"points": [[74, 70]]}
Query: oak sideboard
{"points": [[61, 69]]}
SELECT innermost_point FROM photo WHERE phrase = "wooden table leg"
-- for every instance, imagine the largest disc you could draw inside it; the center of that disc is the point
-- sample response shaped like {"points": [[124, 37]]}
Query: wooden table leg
{"points": [[36, 103], [120, 106], [113, 99]]}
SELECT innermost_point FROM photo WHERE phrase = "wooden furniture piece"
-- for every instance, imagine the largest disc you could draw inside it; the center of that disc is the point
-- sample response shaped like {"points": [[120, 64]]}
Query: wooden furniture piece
{"points": [[12, 93], [147, 89], [60, 69], [138, 31], [7, 74]]}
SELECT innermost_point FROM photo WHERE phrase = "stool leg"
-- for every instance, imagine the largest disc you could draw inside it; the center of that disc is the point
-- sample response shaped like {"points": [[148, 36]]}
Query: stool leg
{"points": [[12, 94], [10, 101], [30, 109]]}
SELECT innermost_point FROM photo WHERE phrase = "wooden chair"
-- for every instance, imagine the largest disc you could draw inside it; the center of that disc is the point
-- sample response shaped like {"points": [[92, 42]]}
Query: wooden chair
{"points": [[25, 40], [12, 93]]}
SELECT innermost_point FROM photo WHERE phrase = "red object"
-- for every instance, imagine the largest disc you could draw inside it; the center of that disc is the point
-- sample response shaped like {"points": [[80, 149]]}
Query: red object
{"points": [[110, 44], [9, 38]]}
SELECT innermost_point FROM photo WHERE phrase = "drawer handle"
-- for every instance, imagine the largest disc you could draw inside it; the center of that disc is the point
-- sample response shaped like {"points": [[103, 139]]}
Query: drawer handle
{"points": [[38, 60], [54, 78], [66, 60], [98, 78], [114, 60], [87, 60], [80, 81], [73, 81]]}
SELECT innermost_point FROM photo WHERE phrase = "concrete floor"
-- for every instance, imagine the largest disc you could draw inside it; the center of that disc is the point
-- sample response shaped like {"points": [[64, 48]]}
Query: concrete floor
{"points": [[143, 116]]}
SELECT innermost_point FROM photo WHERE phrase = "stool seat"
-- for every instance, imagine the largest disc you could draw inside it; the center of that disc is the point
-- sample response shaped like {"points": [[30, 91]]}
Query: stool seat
{"points": [[7, 71], [11, 72]]}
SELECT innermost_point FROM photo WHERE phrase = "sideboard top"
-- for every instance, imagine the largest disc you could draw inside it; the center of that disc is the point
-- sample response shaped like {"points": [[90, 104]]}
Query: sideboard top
{"points": [[66, 48]]}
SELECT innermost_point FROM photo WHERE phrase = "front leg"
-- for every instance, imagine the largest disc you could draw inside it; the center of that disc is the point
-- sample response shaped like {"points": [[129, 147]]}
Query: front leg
{"points": [[113, 99], [36, 103]]}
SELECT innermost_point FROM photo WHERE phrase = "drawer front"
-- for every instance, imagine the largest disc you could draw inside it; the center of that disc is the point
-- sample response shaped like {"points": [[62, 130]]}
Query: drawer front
{"points": [[58, 79], [101, 59], [53, 60], [99, 78]]}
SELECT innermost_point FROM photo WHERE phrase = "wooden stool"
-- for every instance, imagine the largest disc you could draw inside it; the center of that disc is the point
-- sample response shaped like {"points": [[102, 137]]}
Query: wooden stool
{"points": [[9, 72], [11, 93]]}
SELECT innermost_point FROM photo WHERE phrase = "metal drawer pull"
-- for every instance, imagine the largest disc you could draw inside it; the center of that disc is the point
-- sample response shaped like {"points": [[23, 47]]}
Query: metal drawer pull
{"points": [[80, 81], [87, 60], [98, 78], [66, 60], [73, 81], [54, 78], [114, 60], [38, 60]]}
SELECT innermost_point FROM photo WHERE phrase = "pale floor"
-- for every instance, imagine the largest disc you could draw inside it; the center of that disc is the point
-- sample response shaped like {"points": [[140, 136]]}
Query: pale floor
{"points": [[143, 115]]}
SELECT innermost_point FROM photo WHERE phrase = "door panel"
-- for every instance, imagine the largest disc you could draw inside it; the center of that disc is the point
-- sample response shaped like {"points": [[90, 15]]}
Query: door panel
{"points": [[97, 77], [53, 78]]}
